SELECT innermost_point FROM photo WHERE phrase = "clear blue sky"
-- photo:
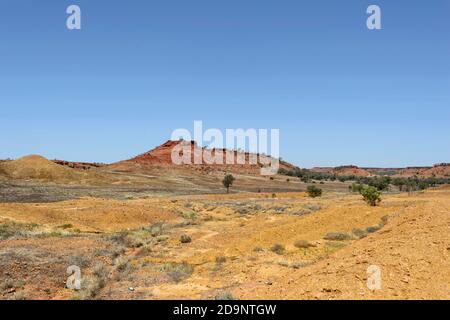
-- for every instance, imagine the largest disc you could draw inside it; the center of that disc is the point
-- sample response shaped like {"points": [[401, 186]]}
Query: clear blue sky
{"points": [[339, 93]]}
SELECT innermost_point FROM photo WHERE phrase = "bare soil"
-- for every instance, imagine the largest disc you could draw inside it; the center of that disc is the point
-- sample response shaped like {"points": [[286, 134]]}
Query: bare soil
{"points": [[274, 245]]}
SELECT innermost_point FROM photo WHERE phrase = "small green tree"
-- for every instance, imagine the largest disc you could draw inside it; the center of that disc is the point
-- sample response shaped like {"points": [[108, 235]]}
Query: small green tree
{"points": [[313, 191], [228, 181], [371, 195]]}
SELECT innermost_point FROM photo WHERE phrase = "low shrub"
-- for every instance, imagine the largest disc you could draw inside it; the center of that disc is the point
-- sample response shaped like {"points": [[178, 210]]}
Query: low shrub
{"points": [[337, 236], [371, 195], [372, 229], [221, 259], [302, 244], [122, 264], [178, 272], [277, 248], [314, 192], [185, 238], [14, 229], [224, 296], [359, 233]]}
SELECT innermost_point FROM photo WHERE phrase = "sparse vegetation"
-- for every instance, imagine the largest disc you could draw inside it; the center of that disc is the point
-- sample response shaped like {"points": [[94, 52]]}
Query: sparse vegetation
{"points": [[228, 181], [156, 229], [373, 229], [381, 183], [303, 244], [384, 220], [283, 263], [79, 260], [7, 284], [313, 191], [66, 226], [299, 265], [120, 259], [100, 271], [224, 296], [278, 249], [93, 284], [221, 259], [144, 251], [178, 271], [371, 195], [139, 237], [189, 215], [122, 264], [90, 288], [338, 236], [334, 245], [185, 238], [359, 233], [14, 230], [162, 238], [356, 187], [21, 295]]}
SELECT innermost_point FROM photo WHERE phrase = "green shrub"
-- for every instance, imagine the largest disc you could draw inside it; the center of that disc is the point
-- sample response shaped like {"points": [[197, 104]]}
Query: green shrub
{"points": [[313, 191], [359, 233], [371, 195], [228, 181], [373, 229], [339, 236], [185, 238]]}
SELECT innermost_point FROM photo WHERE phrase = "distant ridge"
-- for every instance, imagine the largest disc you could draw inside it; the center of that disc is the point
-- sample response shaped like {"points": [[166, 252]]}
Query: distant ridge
{"points": [[349, 170], [440, 170]]}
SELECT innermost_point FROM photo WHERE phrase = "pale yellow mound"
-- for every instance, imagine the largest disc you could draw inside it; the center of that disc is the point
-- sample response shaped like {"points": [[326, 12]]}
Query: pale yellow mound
{"points": [[35, 167]]}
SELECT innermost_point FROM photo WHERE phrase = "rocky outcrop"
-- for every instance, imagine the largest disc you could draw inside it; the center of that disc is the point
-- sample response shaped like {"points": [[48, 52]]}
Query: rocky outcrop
{"points": [[190, 156]]}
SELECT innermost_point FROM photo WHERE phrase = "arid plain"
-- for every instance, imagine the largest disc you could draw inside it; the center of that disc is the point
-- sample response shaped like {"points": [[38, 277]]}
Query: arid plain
{"points": [[141, 229]]}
